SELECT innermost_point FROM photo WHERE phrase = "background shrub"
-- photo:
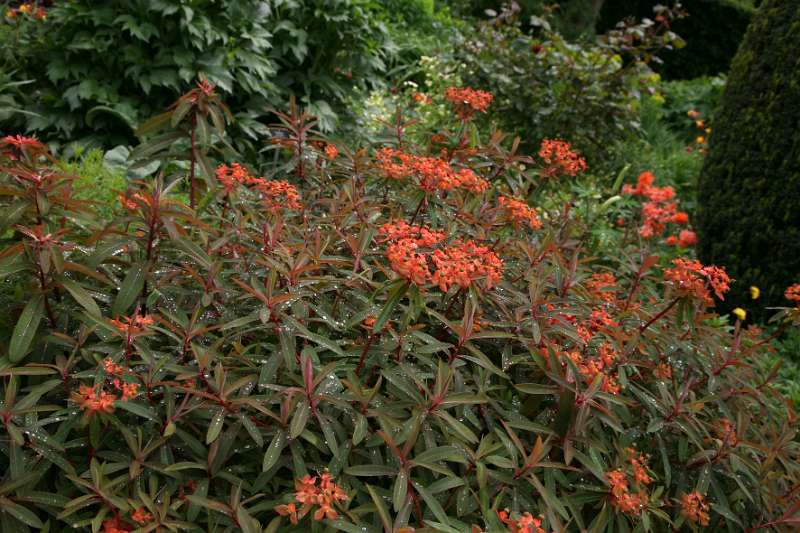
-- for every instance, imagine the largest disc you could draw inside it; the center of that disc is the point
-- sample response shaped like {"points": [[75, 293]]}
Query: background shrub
{"points": [[100, 68], [710, 44], [750, 183]]}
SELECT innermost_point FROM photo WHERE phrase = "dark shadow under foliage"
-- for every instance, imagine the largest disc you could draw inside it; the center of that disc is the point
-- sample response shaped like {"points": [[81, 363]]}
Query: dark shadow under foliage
{"points": [[749, 190], [713, 31]]}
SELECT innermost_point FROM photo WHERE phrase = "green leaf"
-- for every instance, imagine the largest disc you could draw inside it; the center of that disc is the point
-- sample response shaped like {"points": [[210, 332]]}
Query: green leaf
{"points": [[25, 330], [81, 296], [380, 507], [131, 287], [299, 419], [23, 514], [432, 503], [391, 302], [215, 426], [137, 409], [273, 453], [370, 470]]}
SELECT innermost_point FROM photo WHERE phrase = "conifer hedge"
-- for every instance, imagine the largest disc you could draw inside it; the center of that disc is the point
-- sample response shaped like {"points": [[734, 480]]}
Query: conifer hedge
{"points": [[749, 190]]}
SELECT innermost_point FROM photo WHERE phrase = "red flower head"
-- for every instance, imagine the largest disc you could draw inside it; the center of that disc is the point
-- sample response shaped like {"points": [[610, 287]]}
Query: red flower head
{"points": [[695, 508], [560, 159], [520, 212], [692, 278], [468, 101]]}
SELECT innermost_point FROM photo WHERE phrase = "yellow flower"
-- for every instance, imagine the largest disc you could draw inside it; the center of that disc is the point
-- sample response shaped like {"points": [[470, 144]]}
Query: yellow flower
{"points": [[755, 292], [700, 139], [740, 313]]}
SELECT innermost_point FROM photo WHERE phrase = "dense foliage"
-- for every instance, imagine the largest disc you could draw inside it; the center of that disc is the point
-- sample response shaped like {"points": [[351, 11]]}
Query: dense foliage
{"points": [[710, 44], [750, 183], [100, 68], [546, 86], [415, 336]]}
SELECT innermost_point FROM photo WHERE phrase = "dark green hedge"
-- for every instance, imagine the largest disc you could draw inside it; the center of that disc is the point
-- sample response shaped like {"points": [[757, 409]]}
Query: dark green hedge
{"points": [[749, 189], [713, 31]]}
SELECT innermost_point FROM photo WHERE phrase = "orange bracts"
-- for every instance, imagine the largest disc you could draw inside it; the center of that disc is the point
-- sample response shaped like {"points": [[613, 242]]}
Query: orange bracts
{"points": [[691, 278], [520, 212], [559, 159], [311, 491], [432, 173], [467, 101], [695, 508]]}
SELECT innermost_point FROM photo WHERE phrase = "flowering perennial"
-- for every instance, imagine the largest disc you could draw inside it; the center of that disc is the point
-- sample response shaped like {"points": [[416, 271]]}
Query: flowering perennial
{"points": [[433, 174], [312, 491], [526, 523], [695, 508], [467, 101], [560, 159], [660, 210], [520, 212], [691, 278]]}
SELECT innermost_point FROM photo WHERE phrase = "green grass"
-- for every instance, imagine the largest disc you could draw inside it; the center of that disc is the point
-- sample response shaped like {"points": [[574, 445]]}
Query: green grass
{"points": [[95, 181]]}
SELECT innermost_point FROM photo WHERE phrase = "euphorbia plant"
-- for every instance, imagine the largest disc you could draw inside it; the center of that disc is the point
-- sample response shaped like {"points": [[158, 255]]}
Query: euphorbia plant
{"points": [[406, 337]]}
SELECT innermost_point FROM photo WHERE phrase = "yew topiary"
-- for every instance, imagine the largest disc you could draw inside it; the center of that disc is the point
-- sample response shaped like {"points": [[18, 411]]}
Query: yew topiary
{"points": [[749, 189]]}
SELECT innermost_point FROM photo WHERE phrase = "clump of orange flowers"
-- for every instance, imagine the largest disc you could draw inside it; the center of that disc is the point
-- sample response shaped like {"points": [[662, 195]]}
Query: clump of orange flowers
{"points": [[464, 262], [691, 278], [467, 101], [412, 255], [93, 401], [520, 212], [275, 194], [602, 286], [695, 508], [793, 294], [560, 159], [141, 516], [29, 9], [313, 491], [660, 210], [526, 523], [134, 326], [432, 173]]}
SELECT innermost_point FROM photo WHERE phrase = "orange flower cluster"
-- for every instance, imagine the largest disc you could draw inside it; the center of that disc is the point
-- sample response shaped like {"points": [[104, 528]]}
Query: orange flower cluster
{"points": [[467, 101], [695, 508], [141, 516], [526, 523], [92, 401], [433, 173], [309, 493], [134, 326], [621, 498], [560, 159], [233, 176], [411, 255], [690, 277], [602, 286], [660, 210], [29, 9], [663, 371], [331, 152], [520, 212], [114, 526], [276, 194], [639, 464], [727, 433], [590, 368], [15, 146], [793, 294], [463, 263]]}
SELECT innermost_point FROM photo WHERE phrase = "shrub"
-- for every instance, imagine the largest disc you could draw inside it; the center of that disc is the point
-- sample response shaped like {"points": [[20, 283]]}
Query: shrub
{"points": [[375, 341], [713, 31], [546, 86], [749, 185], [102, 67]]}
